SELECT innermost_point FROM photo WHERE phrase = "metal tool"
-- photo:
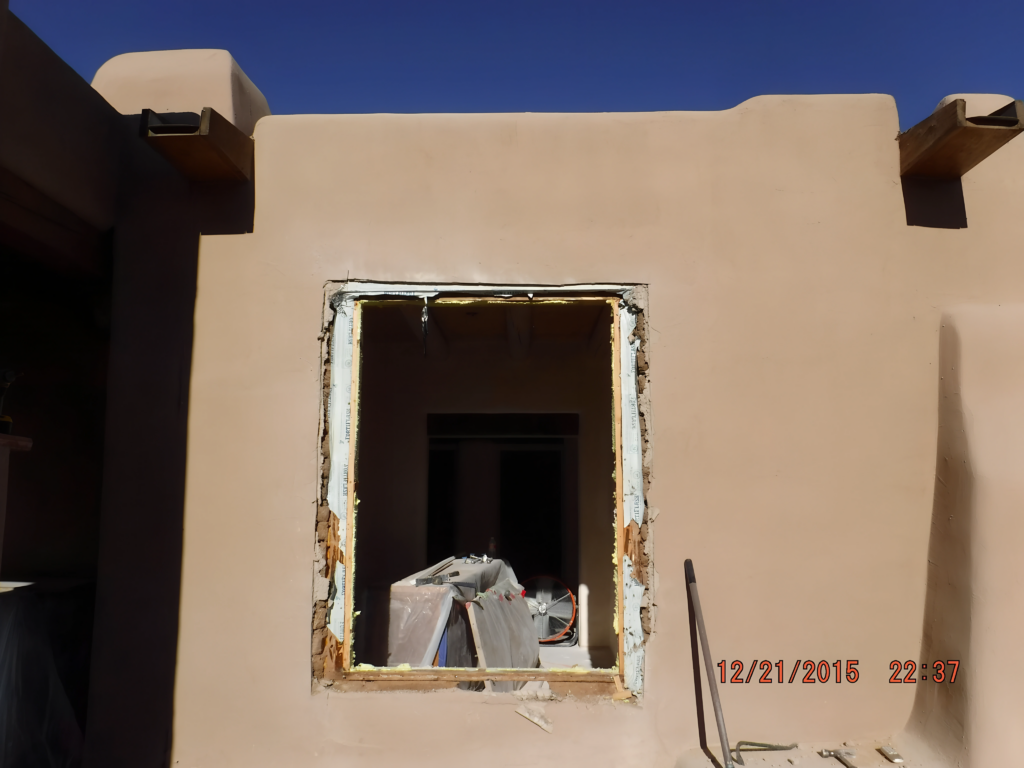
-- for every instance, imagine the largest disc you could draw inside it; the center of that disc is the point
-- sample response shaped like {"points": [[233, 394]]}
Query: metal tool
{"points": [[691, 581], [891, 754], [758, 747], [442, 579], [844, 756]]}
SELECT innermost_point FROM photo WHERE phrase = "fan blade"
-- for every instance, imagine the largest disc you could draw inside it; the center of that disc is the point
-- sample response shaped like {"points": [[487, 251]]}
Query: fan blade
{"points": [[557, 623], [561, 610]]}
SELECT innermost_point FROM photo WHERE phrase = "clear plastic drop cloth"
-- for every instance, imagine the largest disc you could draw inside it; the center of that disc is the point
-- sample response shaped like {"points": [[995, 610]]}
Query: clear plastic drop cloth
{"points": [[38, 728], [418, 618], [427, 623], [504, 632]]}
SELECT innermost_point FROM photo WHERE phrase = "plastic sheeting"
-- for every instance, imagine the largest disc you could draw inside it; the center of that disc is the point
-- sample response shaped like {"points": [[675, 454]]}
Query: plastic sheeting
{"points": [[417, 620], [428, 621], [38, 728], [339, 406], [503, 628]]}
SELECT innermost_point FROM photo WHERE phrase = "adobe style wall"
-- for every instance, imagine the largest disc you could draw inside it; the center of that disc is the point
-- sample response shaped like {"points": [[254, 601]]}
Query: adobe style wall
{"points": [[795, 322]]}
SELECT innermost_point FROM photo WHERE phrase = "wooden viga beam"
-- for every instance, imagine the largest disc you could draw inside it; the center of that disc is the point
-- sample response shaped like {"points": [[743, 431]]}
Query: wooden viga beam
{"points": [[204, 147], [947, 143]]}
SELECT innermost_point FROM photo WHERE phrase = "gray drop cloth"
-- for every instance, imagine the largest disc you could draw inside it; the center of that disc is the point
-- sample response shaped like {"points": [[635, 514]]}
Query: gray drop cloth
{"points": [[419, 617], [503, 628]]}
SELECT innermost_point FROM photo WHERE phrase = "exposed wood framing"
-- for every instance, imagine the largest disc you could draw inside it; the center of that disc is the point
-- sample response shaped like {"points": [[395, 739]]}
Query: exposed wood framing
{"points": [[332, 656], [947, 143], [461, 675], [322, 640], [350, 511]]}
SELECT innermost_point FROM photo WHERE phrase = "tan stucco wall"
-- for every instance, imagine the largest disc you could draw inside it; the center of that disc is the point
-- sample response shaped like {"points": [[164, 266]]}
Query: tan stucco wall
{"points": [[794, 376]]}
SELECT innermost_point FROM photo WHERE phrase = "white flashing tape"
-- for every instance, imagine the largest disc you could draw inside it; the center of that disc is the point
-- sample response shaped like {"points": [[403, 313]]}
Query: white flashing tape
{"points": [[633, 671], [339, 403], [632, 457], [632, 498]]}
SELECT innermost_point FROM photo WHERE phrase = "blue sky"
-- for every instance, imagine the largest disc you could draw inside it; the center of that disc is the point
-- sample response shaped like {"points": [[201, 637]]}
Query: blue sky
{"points": [[310, 56]]}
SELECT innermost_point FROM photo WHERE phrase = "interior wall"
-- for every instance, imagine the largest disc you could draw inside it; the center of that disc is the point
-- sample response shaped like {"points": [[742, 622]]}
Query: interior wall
{"points": [[399, 386]]}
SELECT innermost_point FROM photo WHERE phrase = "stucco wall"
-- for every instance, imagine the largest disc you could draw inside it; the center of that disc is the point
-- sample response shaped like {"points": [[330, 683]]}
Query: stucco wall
{"points": [[794, 375]]}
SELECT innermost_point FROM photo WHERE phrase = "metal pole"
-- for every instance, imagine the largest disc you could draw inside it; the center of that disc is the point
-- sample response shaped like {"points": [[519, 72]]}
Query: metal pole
{"points": [[691, 581]]}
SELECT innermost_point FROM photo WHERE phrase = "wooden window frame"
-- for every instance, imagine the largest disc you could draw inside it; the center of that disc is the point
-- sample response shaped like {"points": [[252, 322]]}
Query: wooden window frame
{"points": [[338, 670]]}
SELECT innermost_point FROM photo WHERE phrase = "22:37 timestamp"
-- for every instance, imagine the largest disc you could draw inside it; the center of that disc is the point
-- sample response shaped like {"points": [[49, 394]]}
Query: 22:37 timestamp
{"points": [[908, 669]]}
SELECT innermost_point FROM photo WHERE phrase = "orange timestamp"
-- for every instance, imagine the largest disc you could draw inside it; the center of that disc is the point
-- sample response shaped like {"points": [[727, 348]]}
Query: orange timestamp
{"points": [[813, 671], [908, 669]]}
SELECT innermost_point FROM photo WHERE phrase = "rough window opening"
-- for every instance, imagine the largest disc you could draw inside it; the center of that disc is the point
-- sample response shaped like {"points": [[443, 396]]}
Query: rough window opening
{"points": [[483, 437]]}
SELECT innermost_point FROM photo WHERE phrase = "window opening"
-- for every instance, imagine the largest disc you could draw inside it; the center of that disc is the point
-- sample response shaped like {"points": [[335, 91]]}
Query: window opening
{"points": [[481, 494]]}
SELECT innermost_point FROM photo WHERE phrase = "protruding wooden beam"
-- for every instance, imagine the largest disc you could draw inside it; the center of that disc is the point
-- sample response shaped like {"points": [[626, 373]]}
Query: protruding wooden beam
{"points": [[204, 147], [947, 143]]}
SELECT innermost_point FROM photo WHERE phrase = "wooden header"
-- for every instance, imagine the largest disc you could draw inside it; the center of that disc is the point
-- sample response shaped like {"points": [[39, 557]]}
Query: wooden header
{"points": [[203, 147], [947, 143]]}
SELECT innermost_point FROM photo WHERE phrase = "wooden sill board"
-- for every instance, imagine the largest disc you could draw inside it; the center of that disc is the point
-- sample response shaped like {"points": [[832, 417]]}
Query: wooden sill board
{"points": [[462, 675]]}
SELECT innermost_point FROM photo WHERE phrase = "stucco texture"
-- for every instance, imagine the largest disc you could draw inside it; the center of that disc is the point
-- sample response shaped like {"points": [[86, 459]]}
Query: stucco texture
{"points": [[794, 354]]}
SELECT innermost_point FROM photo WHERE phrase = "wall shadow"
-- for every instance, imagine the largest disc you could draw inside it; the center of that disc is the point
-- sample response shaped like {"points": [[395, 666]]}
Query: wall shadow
{"points": [[934, 203], [939, 713], [135, 642]]}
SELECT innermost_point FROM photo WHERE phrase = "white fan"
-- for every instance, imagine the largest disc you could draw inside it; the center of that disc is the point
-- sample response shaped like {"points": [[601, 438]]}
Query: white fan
{"points": [[552, 606]]}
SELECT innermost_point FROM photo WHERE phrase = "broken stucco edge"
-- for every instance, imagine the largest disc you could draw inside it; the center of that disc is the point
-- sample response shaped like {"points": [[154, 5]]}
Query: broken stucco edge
{"points": [[322, 640], [632, 497], [645, 570]]}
